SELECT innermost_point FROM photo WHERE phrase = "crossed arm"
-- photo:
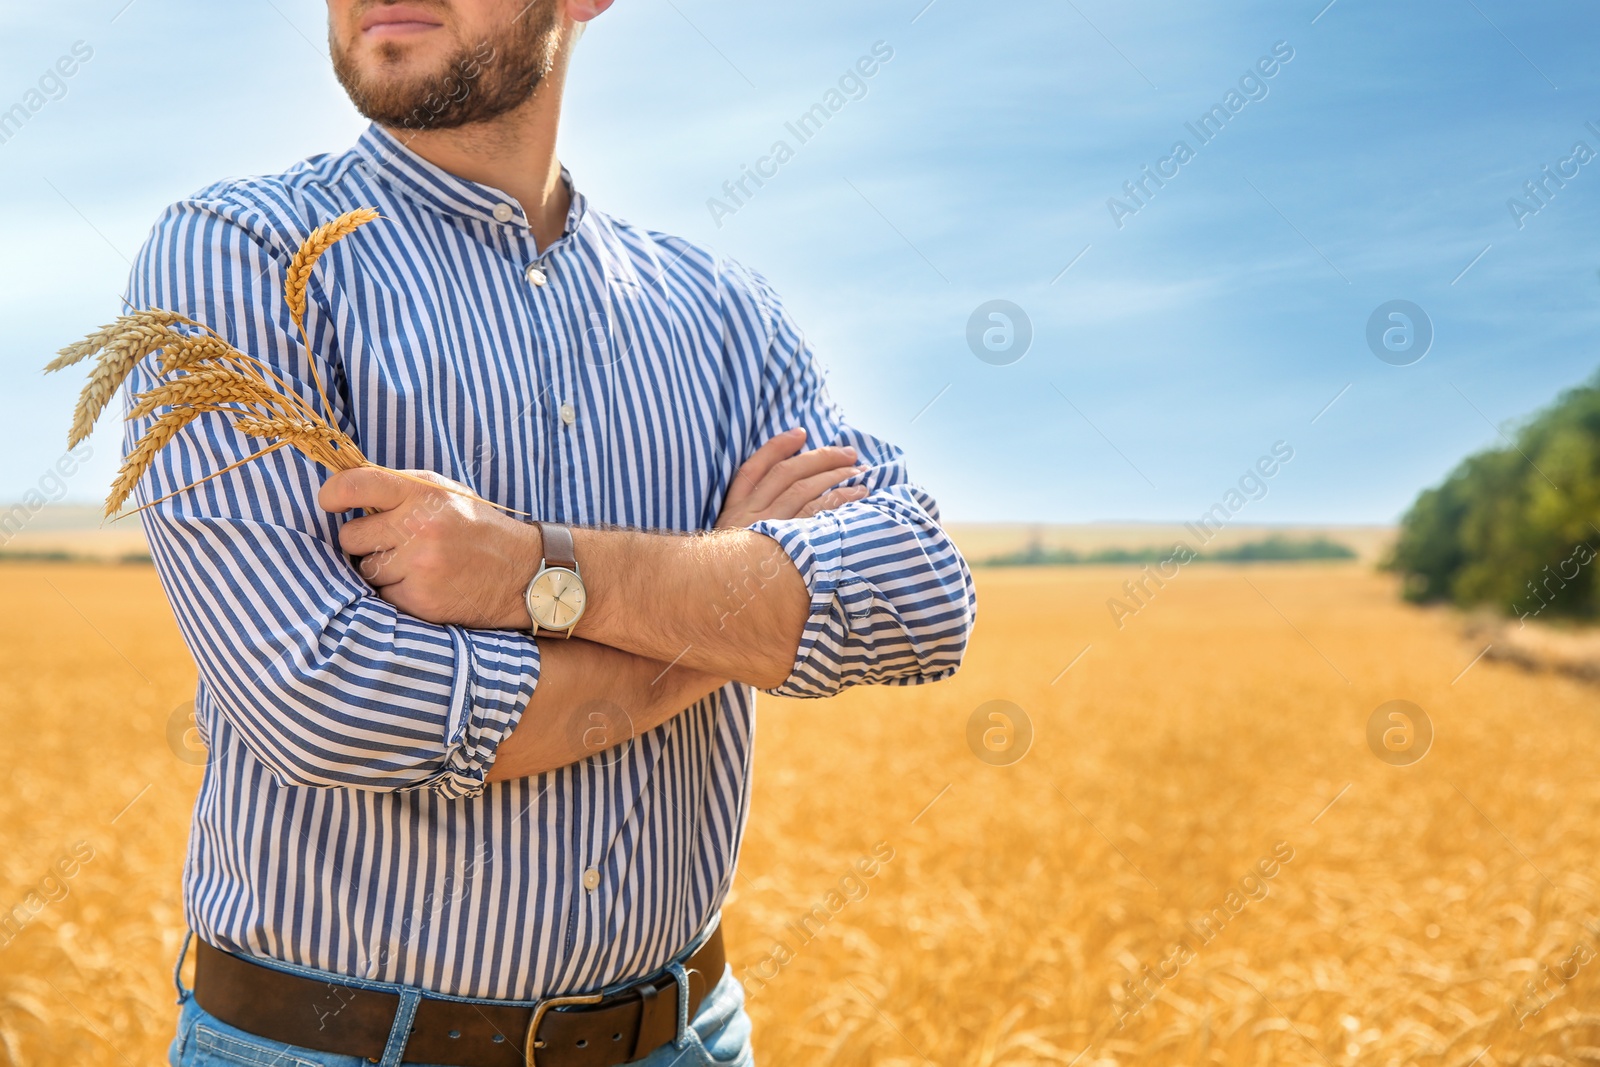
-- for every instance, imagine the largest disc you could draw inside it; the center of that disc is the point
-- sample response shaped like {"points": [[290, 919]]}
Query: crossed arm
{"points": [[651, 641], [424, 675]]}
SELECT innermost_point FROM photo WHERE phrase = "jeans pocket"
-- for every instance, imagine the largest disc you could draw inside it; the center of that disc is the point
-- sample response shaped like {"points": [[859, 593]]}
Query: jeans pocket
{"points": [[719, 1033], [721, 1027], [729, 1046], [696, 1053], [213, 1048]]}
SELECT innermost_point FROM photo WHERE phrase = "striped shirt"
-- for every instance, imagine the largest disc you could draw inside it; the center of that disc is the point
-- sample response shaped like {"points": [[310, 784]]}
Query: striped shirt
{"points": [[617, 376]]}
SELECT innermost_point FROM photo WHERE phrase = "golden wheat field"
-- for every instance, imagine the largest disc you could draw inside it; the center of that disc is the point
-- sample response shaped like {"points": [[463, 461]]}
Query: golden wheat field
{"points": [[1029, 913]]}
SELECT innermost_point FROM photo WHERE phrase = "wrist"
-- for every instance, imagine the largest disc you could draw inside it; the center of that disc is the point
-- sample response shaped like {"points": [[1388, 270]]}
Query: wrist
{"points": [[595, 553], [526, 552]]}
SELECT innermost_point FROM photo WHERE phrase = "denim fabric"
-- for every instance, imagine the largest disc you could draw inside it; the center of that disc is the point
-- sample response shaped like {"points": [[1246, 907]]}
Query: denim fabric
{"points": [[717, 1036]]}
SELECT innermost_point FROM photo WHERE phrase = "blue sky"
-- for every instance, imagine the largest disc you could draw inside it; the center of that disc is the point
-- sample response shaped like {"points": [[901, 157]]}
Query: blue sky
{"points": [[1221, 317]]}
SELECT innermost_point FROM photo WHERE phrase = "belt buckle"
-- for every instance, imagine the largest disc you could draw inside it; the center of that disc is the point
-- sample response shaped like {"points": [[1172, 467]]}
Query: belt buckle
{"points": [[531, 1042]]}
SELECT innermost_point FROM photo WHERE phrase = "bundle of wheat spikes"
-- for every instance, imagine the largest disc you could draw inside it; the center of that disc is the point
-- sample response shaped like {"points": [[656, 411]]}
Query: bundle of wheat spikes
{"points": [[202, 372]]}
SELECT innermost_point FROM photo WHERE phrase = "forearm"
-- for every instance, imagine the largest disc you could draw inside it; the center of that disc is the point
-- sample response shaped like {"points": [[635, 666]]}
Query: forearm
{"points": [[729, 602], [591, 697]]}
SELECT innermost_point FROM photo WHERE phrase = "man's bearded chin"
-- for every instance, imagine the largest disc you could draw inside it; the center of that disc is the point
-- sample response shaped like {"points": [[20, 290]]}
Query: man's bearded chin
{"points": [[480, 82]]}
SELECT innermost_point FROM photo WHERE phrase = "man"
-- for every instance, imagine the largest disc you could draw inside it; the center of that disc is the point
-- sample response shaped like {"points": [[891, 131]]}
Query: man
{"points": [[478, 777]]}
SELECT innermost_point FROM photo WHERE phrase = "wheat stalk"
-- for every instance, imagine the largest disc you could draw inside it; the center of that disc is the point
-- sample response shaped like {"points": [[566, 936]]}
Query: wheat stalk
{"points": [[298, 276], [76, 353], [154, 440], [206, 385], [121, 345], [279, 426], [81, 350], [189, 352], [315, 438], [203, 373], [319, 241]]}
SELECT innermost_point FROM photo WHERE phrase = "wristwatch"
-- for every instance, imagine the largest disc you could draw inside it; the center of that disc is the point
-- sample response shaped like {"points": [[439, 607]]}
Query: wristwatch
{"points": [[556, 596]]}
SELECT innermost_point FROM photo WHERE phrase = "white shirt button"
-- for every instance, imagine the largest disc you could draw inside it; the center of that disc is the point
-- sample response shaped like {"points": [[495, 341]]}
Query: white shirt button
{"points": [[535, 275], [591, 878], [503, 212], [569, 414]]}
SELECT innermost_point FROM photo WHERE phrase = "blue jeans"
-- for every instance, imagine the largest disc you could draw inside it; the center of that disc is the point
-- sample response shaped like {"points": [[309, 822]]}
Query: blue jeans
{"points": [[717, 1036]]}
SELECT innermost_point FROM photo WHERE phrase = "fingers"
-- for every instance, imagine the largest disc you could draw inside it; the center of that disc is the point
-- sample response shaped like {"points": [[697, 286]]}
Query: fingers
{"points": [[373, 543], [833, 498], [782, 480], [366, 535], [371, 488], [798, 495], [765, 458], [382, 568]]}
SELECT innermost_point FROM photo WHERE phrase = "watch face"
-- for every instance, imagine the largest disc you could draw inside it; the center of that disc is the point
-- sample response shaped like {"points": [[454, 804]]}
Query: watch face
{"points": [[556, 599]]}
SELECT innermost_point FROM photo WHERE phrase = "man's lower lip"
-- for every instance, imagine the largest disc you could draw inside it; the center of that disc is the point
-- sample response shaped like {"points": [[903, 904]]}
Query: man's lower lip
{"points": [[399, 29]]}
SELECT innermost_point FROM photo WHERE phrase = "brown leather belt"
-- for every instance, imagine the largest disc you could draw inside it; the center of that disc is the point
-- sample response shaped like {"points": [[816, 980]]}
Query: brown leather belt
{"points": [[558, 1032]]}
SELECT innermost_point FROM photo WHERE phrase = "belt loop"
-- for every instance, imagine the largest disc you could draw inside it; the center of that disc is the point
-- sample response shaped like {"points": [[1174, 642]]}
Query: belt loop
{"points": [[400, 1032], [177, 970], [682, 976]]}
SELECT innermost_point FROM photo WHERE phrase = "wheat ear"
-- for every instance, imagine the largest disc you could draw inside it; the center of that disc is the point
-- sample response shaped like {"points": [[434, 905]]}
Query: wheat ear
{"points": [[298, 276], [214, 376], [213, 385], [319, 241], [215, 349], [118, 357], [318, 440], [156, 438], [186, 353], [81, 350]]}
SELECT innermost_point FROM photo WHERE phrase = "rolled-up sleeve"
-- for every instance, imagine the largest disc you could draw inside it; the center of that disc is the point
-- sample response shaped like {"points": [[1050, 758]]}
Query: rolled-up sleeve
{"points": [[324, 682], [892, 599]]}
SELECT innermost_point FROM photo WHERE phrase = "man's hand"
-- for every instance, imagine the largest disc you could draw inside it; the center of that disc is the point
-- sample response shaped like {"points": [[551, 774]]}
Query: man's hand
{"points": [[441, 556], [449, 557], [781, 482]]}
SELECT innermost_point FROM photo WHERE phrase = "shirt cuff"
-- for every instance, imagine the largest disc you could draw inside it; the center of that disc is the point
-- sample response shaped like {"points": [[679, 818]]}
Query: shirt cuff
{"points": [[487, 702], [839, 601]]}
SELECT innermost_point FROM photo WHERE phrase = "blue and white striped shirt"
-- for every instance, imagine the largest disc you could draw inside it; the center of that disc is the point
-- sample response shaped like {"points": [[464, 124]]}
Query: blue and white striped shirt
{"points": [[618, 376]]}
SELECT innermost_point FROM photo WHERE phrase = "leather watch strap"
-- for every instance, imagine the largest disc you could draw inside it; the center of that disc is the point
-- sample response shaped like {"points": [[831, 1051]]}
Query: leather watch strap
{"points": [[558, 549]]}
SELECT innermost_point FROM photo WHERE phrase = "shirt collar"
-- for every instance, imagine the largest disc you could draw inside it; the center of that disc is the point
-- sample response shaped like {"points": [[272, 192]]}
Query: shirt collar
{"points": [[413, 177]]}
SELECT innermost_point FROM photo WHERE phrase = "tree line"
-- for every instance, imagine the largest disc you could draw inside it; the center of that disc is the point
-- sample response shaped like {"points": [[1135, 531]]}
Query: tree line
{"points": [[1515, 528]]}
